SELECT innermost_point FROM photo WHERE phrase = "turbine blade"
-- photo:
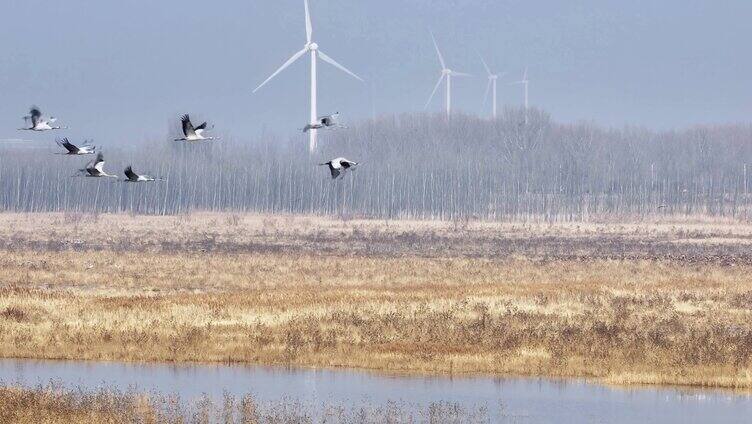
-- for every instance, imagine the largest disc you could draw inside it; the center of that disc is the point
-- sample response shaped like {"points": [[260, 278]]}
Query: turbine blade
{"points": [[436, 87], [441, 58], [485, 95], [308, 26], [331, 61], [460, 74], [485, 65], [294, 57], [524, 76]]}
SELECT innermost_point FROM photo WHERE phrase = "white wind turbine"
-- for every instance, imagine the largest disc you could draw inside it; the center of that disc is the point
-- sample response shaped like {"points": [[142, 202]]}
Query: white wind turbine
{"points": [[524, 81], [313, 48], [445, 73], [491, 84]]}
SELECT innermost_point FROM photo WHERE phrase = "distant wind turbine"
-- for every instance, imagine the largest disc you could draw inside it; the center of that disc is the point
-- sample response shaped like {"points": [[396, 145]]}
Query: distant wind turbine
{"points": [[313, 48], [445, 73], [524, 81], [491, 85]]}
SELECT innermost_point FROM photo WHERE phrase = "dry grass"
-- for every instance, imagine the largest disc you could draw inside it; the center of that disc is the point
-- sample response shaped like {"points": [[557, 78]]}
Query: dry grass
{"points": [[427, 302], [53, 406], [56, 406], [693, 241]]}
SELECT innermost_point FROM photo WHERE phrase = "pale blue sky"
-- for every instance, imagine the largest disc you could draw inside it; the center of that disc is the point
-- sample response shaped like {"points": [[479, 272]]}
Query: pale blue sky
{"points": [[101, 64]]}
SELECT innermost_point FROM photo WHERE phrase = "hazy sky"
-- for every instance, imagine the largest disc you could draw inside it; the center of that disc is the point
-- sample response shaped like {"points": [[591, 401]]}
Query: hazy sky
{"points": [[120, 71]]}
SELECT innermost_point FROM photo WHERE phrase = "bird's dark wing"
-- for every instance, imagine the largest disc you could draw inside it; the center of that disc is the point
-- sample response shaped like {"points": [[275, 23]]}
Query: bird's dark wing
{"points": [[35, 114], [187, 126], [326, 121], [345, 164], [91, 163], [201, 127], [130, 174], [91, 168], [335, 172], [68, 145]]}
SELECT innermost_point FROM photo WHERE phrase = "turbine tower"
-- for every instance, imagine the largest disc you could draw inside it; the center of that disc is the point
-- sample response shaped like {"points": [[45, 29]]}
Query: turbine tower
{"points": [[491, 85], [524, 81], [313, 48], [447, 74]]}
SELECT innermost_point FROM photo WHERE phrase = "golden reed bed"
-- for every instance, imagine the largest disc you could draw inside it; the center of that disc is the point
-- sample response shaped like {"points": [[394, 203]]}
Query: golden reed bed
{"points": [[52, 405], [657, 303]]}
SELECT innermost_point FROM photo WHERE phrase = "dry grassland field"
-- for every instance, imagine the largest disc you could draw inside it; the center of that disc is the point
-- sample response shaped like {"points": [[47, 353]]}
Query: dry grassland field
{"points": [[665, 302]]}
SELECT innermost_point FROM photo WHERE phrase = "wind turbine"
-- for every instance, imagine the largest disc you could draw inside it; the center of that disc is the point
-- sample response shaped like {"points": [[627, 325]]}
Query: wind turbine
{"points": [[313, 48], [445, 73], [525, 82], [491, 84]]}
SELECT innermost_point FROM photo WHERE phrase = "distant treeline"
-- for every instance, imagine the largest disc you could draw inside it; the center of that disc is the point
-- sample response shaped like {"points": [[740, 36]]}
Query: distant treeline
{"points": [[412, 166]]}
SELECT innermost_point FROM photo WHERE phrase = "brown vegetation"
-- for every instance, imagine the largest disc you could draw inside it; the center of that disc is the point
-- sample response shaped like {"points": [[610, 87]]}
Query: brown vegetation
{"points": [[687, 239], [56, 406], [430, 302], [28, 406]]}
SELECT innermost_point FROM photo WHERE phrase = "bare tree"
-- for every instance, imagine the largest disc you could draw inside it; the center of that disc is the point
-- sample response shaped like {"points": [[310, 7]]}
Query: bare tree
{"points": [[415, 166]]}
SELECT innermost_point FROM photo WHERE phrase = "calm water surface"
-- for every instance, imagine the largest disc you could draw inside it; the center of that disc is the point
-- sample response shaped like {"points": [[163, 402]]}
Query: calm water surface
{"points": [[524, 400]]}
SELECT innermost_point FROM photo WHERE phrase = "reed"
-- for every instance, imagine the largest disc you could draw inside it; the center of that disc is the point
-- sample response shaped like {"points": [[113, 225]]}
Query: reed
{"points": [[53, 405], [400, 297]]}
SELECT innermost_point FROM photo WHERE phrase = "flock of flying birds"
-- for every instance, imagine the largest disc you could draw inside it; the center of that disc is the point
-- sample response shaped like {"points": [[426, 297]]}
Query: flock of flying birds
{"points": [[35, 121]]}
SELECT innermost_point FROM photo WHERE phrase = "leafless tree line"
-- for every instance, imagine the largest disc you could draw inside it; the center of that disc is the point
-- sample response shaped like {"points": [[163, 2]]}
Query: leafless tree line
{"points": [[414, 166]]}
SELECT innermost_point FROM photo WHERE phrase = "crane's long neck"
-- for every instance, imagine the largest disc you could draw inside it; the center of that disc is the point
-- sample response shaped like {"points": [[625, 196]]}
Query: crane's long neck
{"points": [[312, 132]]}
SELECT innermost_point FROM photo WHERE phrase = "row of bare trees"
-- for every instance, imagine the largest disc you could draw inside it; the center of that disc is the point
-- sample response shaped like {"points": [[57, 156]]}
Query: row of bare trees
{"points": [[414, 166]]}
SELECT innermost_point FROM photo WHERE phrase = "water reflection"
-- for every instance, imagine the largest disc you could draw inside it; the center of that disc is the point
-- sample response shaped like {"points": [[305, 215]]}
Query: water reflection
{"points": [[519, 400]]}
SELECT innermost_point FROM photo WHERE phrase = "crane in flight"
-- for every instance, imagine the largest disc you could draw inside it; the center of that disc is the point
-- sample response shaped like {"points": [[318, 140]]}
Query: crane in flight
{"points": [[95, 168], [191, 133], [132, 177], [338, 166], [35, 121], [72, 149], [325, 121]]}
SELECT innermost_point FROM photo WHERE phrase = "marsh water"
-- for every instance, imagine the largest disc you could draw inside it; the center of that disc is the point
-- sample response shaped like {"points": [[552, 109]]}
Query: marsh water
{"points": [[505, 399]]}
